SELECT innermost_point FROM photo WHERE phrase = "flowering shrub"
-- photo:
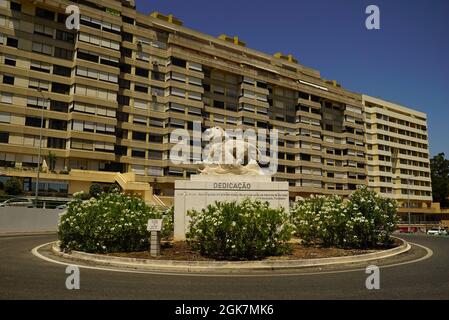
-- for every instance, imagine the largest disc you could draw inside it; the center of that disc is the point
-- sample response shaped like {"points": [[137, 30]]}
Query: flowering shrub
{"points": [[365, 220], [112, 223], [246, 231], [372, 218], [169, 227], [320, 218]]}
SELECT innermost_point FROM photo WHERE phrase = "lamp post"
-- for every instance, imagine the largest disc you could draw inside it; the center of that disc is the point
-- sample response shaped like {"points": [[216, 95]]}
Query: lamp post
{"points": [[40, 149], [408, 205]]}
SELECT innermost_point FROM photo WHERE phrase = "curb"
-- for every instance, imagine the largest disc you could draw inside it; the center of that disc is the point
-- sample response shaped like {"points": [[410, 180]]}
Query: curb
{"points": [[28, 234], [224, 267]]}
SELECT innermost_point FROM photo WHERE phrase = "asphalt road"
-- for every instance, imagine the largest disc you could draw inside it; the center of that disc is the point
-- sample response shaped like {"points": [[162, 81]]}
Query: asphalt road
{"points": [[24, 276]]}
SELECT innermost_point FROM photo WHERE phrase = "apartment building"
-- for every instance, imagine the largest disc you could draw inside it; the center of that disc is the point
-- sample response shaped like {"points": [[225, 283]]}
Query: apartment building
{"points": [[111, 93], [398, 162]]}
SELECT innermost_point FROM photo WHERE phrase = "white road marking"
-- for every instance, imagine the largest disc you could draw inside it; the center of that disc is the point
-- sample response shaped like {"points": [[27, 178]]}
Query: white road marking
{"points": [[35, 252]]}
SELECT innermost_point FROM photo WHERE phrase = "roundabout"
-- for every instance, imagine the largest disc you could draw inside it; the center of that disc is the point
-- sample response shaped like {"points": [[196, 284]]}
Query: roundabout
{"points": [[419, 273], [272, 266]]}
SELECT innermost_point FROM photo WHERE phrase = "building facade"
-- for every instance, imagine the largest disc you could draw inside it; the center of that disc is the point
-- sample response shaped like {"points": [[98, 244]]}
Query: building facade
{"points": [[398, 162], [111, 93]]}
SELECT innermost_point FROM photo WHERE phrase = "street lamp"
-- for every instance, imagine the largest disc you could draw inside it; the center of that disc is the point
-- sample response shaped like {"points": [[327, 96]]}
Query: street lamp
{"points": [[408, 205], [40, 148]]}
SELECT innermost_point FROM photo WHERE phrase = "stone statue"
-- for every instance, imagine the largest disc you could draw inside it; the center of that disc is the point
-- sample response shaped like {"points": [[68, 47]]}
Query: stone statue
{"points": [[228, 156]]}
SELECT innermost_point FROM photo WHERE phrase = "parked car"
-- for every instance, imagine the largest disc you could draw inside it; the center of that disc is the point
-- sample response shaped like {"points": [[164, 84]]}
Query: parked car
{"points": [[63, 206], [17, 202], [437, 232]]}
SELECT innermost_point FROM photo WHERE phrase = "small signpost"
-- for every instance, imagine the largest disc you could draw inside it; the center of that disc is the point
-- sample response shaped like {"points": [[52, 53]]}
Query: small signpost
{"points": [[155, 228]]}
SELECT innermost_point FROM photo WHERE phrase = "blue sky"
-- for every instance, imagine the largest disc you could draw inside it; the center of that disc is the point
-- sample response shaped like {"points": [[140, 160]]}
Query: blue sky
{"points": [[406, 62]]}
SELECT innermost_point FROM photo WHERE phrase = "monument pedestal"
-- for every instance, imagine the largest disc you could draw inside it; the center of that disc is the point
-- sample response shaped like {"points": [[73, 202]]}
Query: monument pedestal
{"points": [[204, 190]]}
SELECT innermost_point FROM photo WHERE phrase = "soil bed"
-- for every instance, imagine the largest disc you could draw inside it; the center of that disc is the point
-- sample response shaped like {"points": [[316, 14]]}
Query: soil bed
{"points": [[181, 251]]}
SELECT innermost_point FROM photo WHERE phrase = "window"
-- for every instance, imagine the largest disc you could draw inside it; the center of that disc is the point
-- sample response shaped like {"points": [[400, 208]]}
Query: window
{"points": [[138, 153], [33, 122], [127, 37], [123, 100], [35, 102], [153, 138], [178, 62], [4, 137], [195, 66], [65, 36], [195, 111], [5, 117], [262, 85], [156, 123], [195, 81], [155, 172], [112, 28], [219, 90], [155, 155], [45, 14], [7, 79], [40, 66], [62, 71], [16, 6], [178, 77], [8, 22], [178, 92], [88, 56], [82, 144], [95, 92], [38, 84], [142, 72], [141, 88], [157, 76], [10, 61], [142, 56], [95, 74], [109, 61], [12, 42], [56, 143], [249, 94], [140, 104], [62, 18], [219, 104], [91, 22], [43, 30], [140, 120], [85, 37], [177, 107], [195, 96], [58, 125], [249, 81], [108, 77], [59, 106], [41, 48], [63, 53], [128, 20], [60, 88], [5, 97], [139, 136]]}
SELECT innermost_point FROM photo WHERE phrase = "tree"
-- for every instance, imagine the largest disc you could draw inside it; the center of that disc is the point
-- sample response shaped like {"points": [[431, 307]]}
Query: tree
{"points": [[14, 187], [440, 179]]}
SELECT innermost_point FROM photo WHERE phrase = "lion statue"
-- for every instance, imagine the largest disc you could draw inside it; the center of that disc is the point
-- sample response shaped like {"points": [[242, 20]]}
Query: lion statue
{"points": [[229, 156]]}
